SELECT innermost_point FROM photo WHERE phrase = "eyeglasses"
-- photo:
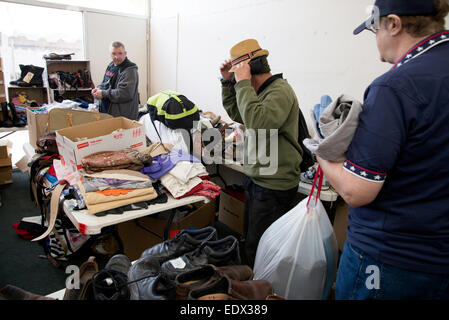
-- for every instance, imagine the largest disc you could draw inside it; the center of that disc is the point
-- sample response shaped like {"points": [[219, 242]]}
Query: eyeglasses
{"points": [[372, 28]]}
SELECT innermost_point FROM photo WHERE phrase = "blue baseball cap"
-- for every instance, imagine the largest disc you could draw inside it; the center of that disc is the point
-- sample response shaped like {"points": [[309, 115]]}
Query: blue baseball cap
{"points": [[383, 8]]}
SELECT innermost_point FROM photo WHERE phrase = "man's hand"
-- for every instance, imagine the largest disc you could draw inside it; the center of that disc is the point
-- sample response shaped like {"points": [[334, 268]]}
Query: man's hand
{"points": [[97, 93], [224, 69], [243, 72]]}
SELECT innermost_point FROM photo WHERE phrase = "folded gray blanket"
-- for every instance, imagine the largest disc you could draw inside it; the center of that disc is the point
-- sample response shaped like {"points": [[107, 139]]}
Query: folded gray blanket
{"points": [[338, 124]]}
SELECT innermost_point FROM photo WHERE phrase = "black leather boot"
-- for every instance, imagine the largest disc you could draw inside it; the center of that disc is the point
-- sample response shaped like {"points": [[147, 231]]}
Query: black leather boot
{"points": [[22, 74], [32, 77], [16, 121], [7, 122]]}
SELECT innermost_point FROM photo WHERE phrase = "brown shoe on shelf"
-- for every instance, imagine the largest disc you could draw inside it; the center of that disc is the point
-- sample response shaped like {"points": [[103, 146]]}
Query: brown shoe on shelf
{"points": [[87, 272], [206, 275], [10, 292], [227, 289]]}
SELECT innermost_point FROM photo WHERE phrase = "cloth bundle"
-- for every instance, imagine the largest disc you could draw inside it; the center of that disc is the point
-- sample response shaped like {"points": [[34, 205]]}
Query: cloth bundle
{"points": [[337, 124], [125, 187], [110, 160]]}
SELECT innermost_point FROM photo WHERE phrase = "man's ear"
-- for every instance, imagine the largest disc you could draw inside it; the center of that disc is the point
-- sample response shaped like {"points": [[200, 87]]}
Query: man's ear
{"points": [[394, 24]]}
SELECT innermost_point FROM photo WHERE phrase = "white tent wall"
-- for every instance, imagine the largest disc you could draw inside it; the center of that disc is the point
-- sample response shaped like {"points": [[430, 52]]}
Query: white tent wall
{"points": [[310, 42]]}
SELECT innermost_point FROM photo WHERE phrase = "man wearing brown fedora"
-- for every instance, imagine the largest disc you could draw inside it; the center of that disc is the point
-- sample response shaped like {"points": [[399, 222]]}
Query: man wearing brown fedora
{"points": [[262, 101]]}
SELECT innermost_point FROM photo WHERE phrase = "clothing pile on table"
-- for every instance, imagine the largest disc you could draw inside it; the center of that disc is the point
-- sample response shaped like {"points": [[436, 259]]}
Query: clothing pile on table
{"points": [[76, 104], [181, 174]]}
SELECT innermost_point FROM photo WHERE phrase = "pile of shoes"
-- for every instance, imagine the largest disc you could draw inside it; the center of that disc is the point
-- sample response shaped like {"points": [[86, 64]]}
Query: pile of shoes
{"points": [[30, 76], [10, 121], [70, 80], [194, 265]]}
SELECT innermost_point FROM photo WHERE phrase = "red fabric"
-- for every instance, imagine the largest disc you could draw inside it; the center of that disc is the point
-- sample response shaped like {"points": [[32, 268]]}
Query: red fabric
{"points": [[22, 233], [52, 171], [206, 189]]}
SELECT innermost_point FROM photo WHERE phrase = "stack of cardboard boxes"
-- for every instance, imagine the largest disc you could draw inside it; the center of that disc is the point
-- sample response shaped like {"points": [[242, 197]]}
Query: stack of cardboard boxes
{"points": [[5, 162]]}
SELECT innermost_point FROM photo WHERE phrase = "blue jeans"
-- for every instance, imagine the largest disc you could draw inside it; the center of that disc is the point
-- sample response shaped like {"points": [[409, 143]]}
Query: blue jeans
{"points": [[360, 277]]}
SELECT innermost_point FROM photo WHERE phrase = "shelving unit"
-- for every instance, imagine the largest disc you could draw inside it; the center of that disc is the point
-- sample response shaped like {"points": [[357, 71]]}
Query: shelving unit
{"points": [[72, 66], [38, 94]]}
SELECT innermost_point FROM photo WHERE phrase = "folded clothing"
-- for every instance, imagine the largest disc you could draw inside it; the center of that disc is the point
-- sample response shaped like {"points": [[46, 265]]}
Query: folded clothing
{"points": [[184, 171], [98, 197], [96, 208], [178, 188], [100, 184], [162, 164], [122, 159]]}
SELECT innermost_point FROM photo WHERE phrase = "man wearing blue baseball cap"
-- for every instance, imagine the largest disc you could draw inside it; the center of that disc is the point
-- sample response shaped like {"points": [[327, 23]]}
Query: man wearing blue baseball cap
{"points": [[396, 176]]}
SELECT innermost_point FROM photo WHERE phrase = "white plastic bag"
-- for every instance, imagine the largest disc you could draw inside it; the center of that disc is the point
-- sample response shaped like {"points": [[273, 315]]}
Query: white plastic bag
{"points": [[298, 253]]}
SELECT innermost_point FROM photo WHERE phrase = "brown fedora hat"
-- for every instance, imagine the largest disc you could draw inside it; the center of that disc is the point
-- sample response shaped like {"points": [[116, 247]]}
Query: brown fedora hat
{"points": [[245, 51]]}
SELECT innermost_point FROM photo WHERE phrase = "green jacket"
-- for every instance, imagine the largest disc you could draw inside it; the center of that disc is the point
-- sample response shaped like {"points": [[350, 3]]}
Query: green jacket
{"points": [[275, 107]]}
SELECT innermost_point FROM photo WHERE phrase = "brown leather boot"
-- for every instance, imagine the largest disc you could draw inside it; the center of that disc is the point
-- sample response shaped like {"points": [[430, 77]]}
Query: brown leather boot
{"points": [[227, 289], [87, 272], [10, 292], [206, 275]]}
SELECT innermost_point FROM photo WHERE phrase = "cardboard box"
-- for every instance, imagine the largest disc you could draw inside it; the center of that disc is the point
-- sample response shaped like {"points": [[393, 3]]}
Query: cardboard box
{"points": [[40, 124], [231, 212], [5, 148], [5, 175], [136, 239], [105, 135], [37, 126], [6, 162], [341, 223]]}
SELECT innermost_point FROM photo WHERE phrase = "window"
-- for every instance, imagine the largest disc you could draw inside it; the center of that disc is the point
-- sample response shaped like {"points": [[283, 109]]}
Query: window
{"points": [[30, 32], [136, 7]]}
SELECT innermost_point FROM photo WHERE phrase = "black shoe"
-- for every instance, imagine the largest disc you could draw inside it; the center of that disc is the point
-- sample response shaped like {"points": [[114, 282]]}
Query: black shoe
{"points": [[224, 252], [141, 277], [32, 77], [23, 73], [7, 122], [16, 121], [183, 242], [111, 283]]}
